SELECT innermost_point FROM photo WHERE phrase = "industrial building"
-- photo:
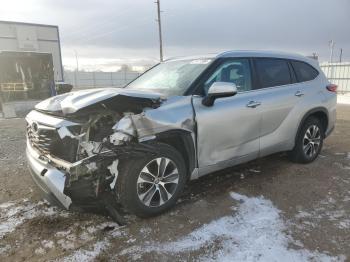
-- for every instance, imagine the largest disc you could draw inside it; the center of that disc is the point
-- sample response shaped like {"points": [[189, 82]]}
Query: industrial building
{"points": [[30, 65]]}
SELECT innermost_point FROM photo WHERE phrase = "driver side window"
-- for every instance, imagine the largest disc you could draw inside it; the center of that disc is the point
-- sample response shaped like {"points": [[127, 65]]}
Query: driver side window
{"points": [[235, 71]]}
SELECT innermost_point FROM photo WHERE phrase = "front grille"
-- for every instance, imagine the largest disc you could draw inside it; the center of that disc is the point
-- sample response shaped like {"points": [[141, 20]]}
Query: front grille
{"points": [[41, 137], [46, 140]]}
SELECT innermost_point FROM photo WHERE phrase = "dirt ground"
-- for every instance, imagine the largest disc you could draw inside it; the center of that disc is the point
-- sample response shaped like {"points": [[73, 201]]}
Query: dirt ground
{"points": [[269, 209]]}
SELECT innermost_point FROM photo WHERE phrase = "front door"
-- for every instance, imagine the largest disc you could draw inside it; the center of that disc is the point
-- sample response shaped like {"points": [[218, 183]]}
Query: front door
{"points": [[228, 130]]}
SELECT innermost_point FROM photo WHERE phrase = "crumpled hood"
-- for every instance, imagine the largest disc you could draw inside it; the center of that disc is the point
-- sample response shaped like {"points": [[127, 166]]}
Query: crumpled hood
{"points": [[72, 102]]}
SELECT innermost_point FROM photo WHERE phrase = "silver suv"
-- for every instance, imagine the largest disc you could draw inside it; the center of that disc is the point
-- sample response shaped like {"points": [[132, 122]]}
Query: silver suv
{"points": [[136, 147]]}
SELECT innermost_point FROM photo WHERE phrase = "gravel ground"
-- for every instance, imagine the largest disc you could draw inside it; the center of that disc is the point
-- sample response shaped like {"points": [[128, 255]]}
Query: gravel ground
{"points": [[269, 209]]}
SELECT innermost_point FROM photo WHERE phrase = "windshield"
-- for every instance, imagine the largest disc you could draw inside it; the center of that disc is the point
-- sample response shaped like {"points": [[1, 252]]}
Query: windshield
{"points": [[171, 78]]}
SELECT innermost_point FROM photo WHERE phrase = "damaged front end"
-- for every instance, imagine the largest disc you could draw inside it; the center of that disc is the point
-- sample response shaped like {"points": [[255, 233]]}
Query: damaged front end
{"points": [[74, 148]]}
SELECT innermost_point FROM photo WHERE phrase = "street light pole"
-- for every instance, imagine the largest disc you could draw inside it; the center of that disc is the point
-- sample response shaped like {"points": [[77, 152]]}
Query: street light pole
{"points": [[160, 32], [77, 68], [341, 55], [331, 45]]}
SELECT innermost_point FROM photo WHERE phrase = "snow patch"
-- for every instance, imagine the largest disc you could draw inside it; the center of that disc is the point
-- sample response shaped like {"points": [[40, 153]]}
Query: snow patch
{"points": [[6, 205], [327, 209], [254, 232], [63, 233], [342, 166], [67, 244], [15, 213], [4, 249], [86, 254], [48, 244], [39, 251]]}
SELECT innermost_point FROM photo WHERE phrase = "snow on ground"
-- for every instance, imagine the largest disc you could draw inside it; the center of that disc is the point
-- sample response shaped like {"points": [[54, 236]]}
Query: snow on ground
{"points": [[94, 249], [254, 232], [329, 209], [13, 214], [4, 249], [343, 99], [86, 254]]}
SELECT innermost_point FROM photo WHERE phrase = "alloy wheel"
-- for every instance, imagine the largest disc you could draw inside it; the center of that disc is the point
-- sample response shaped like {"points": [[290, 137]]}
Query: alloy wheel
{"points": [[312, 141], [157, 182]]}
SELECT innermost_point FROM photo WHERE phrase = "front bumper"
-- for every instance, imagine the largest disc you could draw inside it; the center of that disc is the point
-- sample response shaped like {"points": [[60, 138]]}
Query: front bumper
{"points": [[49, 179]]}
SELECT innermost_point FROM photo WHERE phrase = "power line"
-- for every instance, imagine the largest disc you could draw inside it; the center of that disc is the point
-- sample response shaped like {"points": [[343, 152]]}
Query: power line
{"points": [[90, 28], [116, 29]]}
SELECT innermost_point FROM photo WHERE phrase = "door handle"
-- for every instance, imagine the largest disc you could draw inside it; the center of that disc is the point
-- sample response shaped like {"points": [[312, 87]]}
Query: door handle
{"points": [[299, 94], [253, 104]]}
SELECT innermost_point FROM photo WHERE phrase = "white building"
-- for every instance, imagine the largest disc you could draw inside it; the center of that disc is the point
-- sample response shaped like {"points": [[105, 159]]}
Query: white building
{"points": [[30, 65], [24, 37]]}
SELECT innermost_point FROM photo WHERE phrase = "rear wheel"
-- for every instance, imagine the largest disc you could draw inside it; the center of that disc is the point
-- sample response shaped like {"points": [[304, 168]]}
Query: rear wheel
{"points": [[309, 142], [150, 185]]}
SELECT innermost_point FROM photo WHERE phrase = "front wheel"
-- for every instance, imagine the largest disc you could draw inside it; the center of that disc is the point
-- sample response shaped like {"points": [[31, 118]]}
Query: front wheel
{"points": [[150, 185], [309, 142]]}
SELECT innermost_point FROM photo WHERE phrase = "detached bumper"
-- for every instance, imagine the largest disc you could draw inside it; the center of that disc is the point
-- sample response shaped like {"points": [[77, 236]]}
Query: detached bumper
{"points": [[50, 180]]}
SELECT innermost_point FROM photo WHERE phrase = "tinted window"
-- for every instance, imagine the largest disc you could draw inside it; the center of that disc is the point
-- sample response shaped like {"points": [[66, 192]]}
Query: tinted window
{"points": [[272, 72], [303, 71], [235, 71]]}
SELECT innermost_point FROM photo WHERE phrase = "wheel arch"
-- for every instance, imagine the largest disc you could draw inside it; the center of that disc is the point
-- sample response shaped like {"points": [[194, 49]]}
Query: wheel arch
{"points": [[320, 113], [183, 142]]}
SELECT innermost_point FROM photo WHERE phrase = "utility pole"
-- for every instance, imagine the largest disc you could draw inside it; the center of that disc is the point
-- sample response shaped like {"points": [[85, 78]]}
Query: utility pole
{"points": [[160, 32]]}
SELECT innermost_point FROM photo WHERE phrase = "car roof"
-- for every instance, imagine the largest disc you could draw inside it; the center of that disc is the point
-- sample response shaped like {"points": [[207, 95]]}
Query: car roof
{"points": [[253, 53]]}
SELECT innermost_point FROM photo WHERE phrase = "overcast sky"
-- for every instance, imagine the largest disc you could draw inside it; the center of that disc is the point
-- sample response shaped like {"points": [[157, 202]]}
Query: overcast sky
{"points": [[125, 31]]}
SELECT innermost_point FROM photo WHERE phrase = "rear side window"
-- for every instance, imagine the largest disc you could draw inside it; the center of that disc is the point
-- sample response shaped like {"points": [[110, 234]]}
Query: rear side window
{"points": [[272, 72], [303, 71]]}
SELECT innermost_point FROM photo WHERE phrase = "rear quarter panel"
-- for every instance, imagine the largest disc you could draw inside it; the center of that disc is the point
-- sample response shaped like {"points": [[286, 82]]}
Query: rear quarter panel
{"points": [[282, 138]]}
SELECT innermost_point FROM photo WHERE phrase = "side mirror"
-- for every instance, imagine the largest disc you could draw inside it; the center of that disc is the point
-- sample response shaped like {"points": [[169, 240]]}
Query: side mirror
{"points": [[218, 90]]}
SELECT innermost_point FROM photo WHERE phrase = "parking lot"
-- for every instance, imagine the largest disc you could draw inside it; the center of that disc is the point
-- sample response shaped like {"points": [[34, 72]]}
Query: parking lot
{"points": [[269, 210]]}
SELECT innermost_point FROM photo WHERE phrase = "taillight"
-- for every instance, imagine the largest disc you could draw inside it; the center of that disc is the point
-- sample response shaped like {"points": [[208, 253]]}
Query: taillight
{"points": [[332, 88]]}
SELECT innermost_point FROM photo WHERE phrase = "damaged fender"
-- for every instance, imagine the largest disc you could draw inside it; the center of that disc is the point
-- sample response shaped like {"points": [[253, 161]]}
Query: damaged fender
{"points": [[176, 113]]}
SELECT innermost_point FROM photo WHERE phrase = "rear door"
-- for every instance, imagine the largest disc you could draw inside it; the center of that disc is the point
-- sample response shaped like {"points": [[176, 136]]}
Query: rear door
{"points": [[279, 95], [305, 74]]}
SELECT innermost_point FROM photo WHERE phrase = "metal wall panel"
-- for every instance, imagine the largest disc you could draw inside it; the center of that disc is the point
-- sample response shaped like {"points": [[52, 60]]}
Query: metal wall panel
{"points": [[339, 74], [17, 36], [85, 80]]}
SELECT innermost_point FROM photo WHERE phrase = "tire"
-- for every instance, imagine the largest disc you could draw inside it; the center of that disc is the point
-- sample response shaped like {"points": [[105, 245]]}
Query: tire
{"points": [[302, 153], [134, 194]]}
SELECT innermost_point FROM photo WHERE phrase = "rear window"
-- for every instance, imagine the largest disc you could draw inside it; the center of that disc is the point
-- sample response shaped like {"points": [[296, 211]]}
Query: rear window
{"points": [[303, 71], [273, 72]]}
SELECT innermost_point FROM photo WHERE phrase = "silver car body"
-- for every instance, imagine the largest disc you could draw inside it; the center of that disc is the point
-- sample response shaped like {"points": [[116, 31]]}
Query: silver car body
{"points": [[230, 132]]}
